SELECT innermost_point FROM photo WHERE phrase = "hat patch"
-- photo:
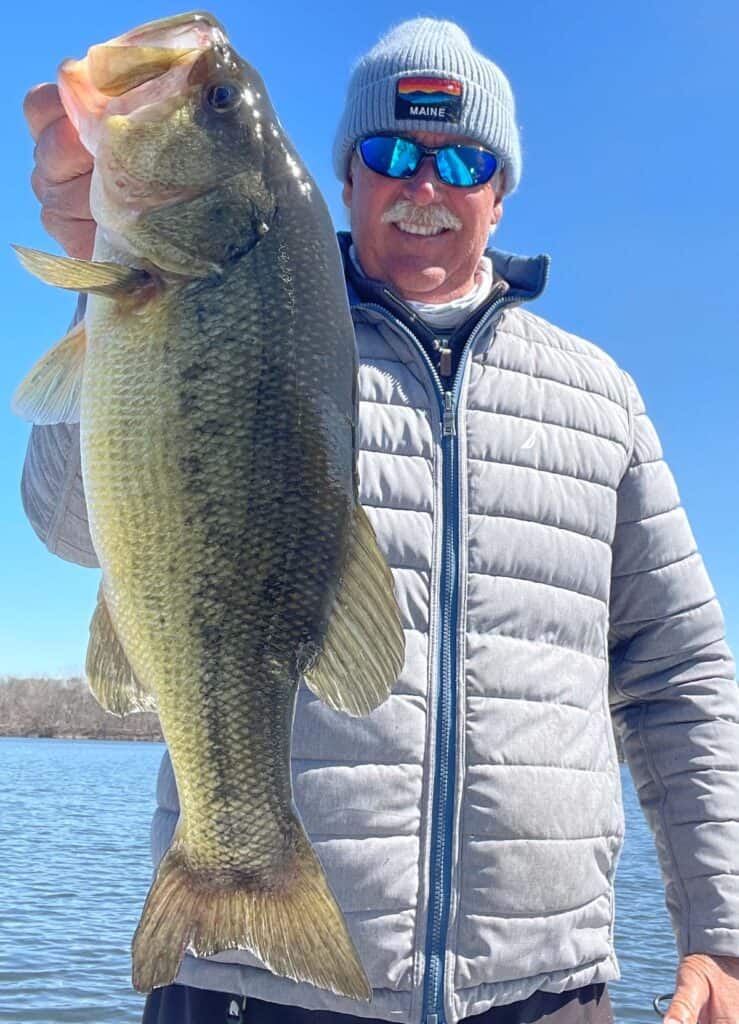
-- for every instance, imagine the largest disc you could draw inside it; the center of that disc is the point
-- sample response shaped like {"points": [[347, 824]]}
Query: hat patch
{"points": [[423, 98]]}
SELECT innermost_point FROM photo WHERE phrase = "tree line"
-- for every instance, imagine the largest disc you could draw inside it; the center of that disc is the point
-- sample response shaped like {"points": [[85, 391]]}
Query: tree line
{"points": [[66, 708]]}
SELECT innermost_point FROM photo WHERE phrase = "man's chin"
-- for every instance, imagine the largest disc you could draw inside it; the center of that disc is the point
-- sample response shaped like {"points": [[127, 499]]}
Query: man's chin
{"points": [[417, 283]]}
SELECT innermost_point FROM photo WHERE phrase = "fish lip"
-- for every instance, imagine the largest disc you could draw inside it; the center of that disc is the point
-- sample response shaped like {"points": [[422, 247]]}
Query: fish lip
{"points": [[149, 32], [106, 80], [88, 105], [193, 33]]}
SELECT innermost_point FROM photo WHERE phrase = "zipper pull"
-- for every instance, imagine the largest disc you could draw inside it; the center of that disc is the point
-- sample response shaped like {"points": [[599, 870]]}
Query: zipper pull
{"points": [[450, 428], [236, 1013], [445, 362], [433, 1018]]}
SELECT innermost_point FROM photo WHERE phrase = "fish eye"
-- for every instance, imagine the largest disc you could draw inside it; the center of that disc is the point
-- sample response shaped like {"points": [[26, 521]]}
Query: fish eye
{"points": [[224, 97]]}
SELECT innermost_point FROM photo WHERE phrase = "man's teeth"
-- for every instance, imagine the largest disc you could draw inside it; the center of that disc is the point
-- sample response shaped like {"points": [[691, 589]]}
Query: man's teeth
{"points": [[418, 229]]}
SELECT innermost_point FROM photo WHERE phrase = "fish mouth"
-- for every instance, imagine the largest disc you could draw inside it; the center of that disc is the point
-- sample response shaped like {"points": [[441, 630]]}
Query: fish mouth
{"points": [[140, 67]]}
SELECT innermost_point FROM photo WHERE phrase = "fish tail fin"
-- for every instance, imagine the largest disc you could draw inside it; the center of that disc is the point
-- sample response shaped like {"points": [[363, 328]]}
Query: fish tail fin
{"points": [[292, 923]]}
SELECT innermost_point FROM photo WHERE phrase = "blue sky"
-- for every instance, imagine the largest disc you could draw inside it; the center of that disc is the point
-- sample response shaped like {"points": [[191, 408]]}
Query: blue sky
{"points": [[628, 115]]}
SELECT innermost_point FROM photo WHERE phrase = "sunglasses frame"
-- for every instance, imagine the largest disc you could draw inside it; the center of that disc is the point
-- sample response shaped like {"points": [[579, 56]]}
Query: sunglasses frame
{"points": [[424, 152]]}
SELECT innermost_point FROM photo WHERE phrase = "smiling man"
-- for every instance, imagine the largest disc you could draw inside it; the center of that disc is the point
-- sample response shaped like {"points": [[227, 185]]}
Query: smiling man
{"points": [[549, 584], [418, 233]]}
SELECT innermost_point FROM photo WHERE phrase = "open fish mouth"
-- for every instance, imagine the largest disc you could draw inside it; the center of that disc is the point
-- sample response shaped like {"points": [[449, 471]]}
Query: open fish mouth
{"points": [[139, 68]]}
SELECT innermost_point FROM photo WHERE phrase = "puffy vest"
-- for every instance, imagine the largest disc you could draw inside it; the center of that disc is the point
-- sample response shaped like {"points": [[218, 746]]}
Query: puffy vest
{"points": [[470, 827]]}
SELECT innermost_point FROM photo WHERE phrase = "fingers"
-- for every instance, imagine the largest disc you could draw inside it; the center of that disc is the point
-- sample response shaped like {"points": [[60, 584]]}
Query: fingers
{"points": [[77, 237], [681, 1011], [61, 178], [67, 198], [41, 106], [692, 992], [59, 153]]}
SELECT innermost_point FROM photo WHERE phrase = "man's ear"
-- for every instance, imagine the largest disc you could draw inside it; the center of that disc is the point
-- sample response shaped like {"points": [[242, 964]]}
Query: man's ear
{"points": [[346, 191], [497, 211]]}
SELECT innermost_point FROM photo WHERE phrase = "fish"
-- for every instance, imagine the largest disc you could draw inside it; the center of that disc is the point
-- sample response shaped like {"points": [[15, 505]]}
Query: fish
{"points": [[214, 378]]}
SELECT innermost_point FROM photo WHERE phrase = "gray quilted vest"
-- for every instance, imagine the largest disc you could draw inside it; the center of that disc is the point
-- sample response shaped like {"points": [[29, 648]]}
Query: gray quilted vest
{"points": [[470, 827]]}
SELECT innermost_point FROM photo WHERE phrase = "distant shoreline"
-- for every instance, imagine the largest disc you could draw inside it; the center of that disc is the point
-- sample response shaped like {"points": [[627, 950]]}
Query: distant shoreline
{"points": [[65, 709], [46, 708], [71, 736]]}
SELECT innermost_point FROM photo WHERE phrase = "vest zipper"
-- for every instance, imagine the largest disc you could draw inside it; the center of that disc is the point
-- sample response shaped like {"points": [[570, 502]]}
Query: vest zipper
{"points": [[449, 428], [443, 795]]}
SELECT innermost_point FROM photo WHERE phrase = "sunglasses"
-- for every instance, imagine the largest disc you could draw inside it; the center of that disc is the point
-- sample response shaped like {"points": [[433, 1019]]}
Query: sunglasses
{"points": [[460, 166]]}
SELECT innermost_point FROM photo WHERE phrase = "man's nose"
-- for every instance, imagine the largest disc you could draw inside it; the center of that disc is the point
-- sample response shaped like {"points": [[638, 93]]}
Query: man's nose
{"points": [[423, 187]]}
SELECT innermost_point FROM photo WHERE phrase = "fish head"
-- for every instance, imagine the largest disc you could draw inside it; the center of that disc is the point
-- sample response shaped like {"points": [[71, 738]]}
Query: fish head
{"points": [[189, 156]]}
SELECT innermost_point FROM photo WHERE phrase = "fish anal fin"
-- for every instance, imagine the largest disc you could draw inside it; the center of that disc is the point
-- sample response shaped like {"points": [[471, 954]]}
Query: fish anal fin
{"points": [[109, 279], [109, 674], [50, 392], [291, 922], [364, 647]]}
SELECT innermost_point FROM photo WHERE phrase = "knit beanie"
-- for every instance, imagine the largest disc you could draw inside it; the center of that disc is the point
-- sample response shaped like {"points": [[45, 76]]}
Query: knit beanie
{"points": [[424, 75]]}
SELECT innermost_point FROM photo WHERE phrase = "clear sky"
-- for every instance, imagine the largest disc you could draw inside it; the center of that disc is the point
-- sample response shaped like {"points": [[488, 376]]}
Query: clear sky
{"points": [[629, 122]]}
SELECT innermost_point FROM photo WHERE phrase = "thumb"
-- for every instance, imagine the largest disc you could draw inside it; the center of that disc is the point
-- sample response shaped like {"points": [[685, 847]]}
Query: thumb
{"points": [[691, 994]]}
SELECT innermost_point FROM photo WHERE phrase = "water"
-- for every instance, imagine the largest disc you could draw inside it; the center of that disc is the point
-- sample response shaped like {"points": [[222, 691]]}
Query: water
{"points": [[74, 846]]}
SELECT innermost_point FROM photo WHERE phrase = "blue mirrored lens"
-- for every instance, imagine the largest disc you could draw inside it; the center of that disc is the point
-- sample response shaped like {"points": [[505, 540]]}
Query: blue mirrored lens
{"points": [[465, 165], [397, 158]]}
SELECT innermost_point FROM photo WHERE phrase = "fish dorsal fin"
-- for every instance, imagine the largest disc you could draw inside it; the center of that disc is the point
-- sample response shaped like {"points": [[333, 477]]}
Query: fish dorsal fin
{"points": [[109, 674], [50, 392], [109, 279], [364, 647]]}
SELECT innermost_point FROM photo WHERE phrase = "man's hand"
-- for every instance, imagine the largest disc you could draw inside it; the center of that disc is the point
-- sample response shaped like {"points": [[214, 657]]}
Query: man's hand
{"points": [[707, 991], [61, 177]]}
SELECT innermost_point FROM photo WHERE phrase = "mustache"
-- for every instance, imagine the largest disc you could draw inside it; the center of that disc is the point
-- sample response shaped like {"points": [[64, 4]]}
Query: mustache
{"points": [[433, 216]]}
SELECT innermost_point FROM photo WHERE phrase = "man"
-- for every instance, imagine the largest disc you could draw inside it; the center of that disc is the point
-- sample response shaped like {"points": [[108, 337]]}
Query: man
{"points": [[471, 826]]}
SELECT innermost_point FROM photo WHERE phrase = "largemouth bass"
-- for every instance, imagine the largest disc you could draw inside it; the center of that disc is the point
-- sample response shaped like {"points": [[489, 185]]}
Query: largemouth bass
{"points": [[214, 379]]}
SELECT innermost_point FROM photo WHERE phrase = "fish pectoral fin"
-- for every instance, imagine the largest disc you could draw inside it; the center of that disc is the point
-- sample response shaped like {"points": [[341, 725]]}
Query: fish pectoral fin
{"points": [[50, 392], [364, 646], [109, 279], [109, 674]]}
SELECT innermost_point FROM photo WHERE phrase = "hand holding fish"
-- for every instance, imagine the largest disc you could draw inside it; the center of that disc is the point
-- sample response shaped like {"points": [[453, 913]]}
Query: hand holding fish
{"points": [[61, 177], [707, 991]]}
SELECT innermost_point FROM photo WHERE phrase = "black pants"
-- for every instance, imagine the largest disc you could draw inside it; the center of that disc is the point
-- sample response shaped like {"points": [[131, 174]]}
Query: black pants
{"points": [[179, 1004]]}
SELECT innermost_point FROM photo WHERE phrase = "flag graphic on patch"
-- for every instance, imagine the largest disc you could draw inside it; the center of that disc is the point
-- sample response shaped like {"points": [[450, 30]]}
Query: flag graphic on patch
{"points": [[423, 98]]}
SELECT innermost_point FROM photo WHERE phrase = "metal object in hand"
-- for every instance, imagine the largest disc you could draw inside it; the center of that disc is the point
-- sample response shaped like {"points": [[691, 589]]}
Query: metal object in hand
{"points": [[658, 1002]]}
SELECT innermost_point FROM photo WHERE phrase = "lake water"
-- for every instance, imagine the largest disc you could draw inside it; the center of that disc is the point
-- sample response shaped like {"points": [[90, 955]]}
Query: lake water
{"points": [[74, 880]]}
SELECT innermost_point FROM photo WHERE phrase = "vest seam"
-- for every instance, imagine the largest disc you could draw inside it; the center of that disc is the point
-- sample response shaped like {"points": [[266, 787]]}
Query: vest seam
{"points": [[530, 700], [548, 423], [542, 583], [569, 970], [549, 331], [541, 522], [403, 455], [537, 375], [537, 469], [538, 640], [657, 568], [479, 837]]}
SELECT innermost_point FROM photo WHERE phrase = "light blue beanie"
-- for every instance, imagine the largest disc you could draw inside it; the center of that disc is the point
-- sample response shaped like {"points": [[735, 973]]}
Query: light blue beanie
{"points": [[424, 75]]}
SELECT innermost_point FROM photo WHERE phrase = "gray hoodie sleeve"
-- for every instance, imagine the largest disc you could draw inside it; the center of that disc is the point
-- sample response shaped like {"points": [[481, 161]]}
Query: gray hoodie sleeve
{"points": [[52, 491], [53, 494], [674, 699], [167, 811]]}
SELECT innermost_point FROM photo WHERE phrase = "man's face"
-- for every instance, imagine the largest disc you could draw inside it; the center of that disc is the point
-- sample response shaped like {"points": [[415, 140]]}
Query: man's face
{"points": [[426, 267]]}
